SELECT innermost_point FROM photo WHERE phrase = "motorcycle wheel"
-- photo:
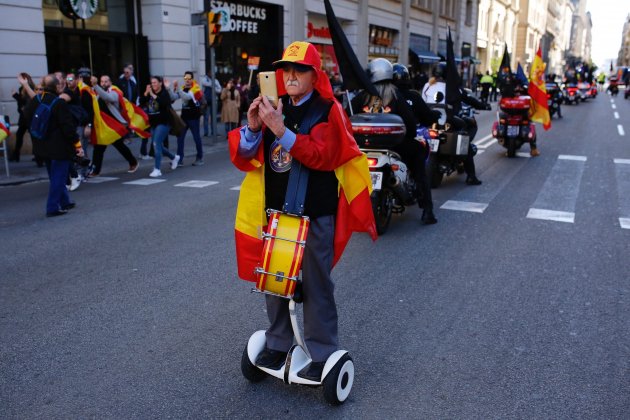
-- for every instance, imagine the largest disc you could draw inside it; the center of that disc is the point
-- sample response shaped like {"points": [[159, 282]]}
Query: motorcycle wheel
{"points": [[511, 147], [433, 172], [382, 203]]}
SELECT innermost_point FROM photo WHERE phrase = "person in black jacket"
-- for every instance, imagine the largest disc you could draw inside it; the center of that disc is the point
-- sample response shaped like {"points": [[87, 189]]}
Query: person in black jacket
{"points": [[393, 101], [58, 146], [127, 84], [157, 102]]}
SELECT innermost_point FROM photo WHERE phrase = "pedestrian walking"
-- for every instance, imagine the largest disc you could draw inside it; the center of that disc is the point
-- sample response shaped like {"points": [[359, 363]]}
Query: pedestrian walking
{"points": [[58, 143], [191, 97]]}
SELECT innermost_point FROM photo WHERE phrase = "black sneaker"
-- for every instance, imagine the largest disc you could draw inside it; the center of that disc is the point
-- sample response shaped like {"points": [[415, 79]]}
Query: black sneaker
{"points": [[271, 359], [473, 180], [313, 372]]}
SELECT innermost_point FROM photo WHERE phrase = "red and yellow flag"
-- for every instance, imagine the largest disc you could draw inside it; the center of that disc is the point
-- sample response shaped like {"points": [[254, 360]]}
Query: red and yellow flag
{"points": [[318, 152], [106, 129], [195, 89], [4, 130], [538, 110], [136, 118]]}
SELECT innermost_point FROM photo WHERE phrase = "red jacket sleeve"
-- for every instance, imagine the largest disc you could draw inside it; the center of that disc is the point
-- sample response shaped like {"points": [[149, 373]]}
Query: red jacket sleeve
{"points": [[246, 165], [329, 144]]}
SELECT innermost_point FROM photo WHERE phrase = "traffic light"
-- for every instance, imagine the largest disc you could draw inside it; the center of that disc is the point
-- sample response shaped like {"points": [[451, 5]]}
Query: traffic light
{"points": [[214, 29]]}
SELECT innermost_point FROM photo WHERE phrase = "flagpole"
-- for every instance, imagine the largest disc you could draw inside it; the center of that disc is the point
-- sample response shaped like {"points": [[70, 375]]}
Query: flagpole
{"points": [[347, 93]]}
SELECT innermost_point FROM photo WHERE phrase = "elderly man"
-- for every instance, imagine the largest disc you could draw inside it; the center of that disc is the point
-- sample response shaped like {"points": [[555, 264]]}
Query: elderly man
{"points": [[310, 128], [58, 145]]}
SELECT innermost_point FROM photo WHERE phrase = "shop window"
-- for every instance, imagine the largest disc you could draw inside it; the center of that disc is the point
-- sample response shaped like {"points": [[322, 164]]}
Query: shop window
{"points": [[423, 4], [110, 15]]}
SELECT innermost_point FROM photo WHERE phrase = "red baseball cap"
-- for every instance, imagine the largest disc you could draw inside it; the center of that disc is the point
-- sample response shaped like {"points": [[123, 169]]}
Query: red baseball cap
{"points": [[300, 52]]}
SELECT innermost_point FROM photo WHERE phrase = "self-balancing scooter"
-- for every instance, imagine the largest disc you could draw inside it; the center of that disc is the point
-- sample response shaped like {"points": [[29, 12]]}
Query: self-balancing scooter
{"points": [[278, 275]]}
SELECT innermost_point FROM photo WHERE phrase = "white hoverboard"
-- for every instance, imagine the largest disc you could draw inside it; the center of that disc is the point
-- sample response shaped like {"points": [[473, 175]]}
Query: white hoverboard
{"points": [[337, 375]]}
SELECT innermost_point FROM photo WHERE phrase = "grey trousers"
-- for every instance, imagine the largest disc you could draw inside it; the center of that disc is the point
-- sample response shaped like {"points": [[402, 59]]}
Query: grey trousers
{"points": [[320, 310]]}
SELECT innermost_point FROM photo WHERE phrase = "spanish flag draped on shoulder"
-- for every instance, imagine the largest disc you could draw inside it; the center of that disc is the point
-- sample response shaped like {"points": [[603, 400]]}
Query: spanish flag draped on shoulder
{"points": [[107, 129], [196, 91], [136, 118], [538, 110]]}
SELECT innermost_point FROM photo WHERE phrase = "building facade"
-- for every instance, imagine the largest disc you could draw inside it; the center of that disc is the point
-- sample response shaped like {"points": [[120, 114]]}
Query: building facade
{"points": [[167, 37], [496, 28], [623, 58]]}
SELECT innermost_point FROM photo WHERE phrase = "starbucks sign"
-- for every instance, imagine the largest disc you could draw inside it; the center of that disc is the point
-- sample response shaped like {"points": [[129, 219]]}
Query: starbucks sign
{"points": [[78, 9]]}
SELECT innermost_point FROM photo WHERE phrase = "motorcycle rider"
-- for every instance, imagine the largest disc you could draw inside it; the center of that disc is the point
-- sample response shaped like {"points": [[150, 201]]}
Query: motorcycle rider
{"points": [[429, 93], [392, 100], [510, 88], [551, 80]]}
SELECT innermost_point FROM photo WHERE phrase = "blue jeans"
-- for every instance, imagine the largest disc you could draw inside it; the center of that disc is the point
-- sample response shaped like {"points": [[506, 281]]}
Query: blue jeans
{"points": [[158, 135], [193, 125], [57, 193]]}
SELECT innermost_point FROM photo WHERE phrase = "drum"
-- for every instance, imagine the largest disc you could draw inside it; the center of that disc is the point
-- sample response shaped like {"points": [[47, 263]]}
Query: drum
{"points": [[283, 249]]}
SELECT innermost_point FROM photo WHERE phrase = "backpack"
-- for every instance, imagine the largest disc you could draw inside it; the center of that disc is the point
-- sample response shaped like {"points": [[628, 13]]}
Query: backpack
{"points": [[41, 118]]}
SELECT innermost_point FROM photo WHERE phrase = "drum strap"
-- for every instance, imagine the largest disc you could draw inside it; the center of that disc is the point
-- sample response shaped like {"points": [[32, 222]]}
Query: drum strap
{"points": [[298, 175]]}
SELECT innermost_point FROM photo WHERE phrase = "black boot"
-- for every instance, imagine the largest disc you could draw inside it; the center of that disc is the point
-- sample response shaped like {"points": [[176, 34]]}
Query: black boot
{"points": [[473, 180], [428, 218], [271, 359]]}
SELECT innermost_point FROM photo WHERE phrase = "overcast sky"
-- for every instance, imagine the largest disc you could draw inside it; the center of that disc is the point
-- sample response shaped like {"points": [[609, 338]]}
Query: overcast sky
{"points": [[608, 17]]}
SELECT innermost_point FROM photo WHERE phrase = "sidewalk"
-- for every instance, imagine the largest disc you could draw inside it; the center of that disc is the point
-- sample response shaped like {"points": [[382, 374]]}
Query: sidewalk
{"points": [[26, 170]]}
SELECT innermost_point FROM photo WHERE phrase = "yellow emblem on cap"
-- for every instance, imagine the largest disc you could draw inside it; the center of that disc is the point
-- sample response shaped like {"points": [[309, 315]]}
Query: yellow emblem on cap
{"points": [[296, 51]]}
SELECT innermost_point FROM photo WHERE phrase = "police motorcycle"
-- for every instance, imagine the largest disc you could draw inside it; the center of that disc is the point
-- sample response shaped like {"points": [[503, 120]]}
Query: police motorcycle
{"points": [[393, 187], [448, 142]]}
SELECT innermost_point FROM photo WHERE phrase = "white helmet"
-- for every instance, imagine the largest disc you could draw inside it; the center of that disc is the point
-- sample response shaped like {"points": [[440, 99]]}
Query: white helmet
{"points": [[380, 69]]}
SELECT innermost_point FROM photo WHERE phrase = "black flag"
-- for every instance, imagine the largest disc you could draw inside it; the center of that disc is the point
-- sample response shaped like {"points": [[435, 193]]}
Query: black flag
{"points": [[505, 68], [354, 76], [453, 94]]}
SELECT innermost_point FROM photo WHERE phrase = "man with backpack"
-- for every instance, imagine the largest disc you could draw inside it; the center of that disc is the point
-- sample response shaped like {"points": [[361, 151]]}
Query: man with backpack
{"points": [[54, 135]]}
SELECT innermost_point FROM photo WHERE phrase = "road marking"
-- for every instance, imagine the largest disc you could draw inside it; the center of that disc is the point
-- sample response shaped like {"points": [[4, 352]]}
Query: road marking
{"points": [[474, 199], [145, 181], [616, 114], [479, 142], [100, 179], [524, 155], [554, 215], [558, 195], [480, 151], [614, 106], [197, 184], [236, 188], [572, 157], [620, 130], [464, 206], [622, 172], [612, 101]]}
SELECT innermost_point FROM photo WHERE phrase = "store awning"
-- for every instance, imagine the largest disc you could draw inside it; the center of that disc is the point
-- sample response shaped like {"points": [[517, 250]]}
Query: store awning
{"points": [[425, 56]]}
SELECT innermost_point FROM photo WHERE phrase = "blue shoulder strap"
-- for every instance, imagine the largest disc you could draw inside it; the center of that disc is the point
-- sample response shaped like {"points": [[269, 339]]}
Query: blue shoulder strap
{"points": [[298, 175]]}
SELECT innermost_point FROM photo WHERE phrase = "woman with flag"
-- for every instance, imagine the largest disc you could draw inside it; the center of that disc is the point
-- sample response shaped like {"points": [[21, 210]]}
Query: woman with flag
{"points": [[191, 97]]}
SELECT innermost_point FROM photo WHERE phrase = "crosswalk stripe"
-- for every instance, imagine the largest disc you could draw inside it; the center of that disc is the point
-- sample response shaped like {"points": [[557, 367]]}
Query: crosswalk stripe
{"points": [[476, 199], [464, 206], [622, 161], [196, 184], [624, 222], [557, 216], [236, 188], [145, 181], [572, 157], [100, 179], [523, 155], [558, 195], [616, 114], [620, 130]]}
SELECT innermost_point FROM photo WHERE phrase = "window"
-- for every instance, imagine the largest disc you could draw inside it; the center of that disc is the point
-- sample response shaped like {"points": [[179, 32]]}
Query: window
{"points": [[423, 4], [469, 12], [447, 8]]}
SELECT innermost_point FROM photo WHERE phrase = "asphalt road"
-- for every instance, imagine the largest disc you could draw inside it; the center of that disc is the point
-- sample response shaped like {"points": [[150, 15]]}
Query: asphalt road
{"points": [[130, 307]]}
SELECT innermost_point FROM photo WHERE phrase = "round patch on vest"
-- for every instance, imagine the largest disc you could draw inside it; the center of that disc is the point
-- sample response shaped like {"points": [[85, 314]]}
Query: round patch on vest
{"points": [[279, 159]]}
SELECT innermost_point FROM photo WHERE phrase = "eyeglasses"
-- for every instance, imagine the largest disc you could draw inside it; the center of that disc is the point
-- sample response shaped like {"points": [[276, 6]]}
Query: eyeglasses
{"points": [[70, 79], [187, 78]]}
